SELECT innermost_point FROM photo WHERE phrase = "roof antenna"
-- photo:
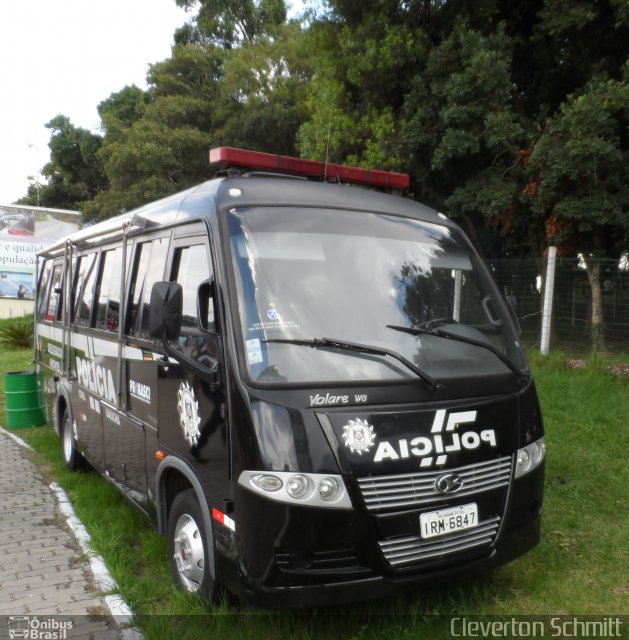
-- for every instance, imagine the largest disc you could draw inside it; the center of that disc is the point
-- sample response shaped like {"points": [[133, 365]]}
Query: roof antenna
{"points": [[327, 149]]}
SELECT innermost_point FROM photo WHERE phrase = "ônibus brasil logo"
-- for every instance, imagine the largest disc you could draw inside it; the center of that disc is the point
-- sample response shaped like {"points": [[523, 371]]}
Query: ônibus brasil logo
{"points": [[39, 628], [445, 437]]}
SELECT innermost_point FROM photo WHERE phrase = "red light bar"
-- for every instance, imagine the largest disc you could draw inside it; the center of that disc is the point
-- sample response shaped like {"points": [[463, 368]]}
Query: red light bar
{"points": [[298, 166]]}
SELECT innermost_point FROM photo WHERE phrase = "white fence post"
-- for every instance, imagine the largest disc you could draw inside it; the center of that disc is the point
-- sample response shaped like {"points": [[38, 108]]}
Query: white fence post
{"points": [[548, 299]]}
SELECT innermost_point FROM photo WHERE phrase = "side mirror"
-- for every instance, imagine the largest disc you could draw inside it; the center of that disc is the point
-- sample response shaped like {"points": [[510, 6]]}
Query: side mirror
{"points": [[166, 310], [206, 302]]}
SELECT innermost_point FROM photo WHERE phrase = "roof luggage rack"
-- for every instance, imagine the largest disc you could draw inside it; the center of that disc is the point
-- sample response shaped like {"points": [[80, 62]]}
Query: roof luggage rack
{"points": [[287, 165]]}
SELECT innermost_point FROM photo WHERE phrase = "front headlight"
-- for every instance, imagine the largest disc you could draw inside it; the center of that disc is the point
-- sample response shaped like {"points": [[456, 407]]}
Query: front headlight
{"points": [[530, 457], [307, 489], [328, 489], [297, 486]]}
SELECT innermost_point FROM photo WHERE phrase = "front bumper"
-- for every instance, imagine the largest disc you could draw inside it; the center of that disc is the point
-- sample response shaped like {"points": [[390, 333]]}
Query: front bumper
{"points": [[293, 556], [512, 545]]}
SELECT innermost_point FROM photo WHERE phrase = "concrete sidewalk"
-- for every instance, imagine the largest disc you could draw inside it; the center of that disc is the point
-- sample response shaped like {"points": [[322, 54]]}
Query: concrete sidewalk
{"points": [[43, 571]]}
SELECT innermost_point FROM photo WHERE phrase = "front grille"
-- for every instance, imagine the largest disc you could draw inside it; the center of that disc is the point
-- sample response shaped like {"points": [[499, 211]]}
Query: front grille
{"points": [[382, 493], [412, 549]]}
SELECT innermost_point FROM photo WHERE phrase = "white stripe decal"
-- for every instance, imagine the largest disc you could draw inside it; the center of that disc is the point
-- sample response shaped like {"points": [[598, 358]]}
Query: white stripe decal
{"points": [[105, 348], [52, 333], [92, 346], [79, 342], [132, 353]]}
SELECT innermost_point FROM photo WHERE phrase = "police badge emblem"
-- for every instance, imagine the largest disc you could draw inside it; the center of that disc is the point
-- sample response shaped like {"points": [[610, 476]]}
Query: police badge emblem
{"points": [[188, 408], [359, 436]]}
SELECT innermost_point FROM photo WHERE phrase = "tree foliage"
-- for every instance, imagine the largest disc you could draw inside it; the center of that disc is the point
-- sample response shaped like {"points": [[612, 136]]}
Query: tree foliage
{"points": [[249, 92], [157, 143], [74, 173], [510, 116], [229, 23]]}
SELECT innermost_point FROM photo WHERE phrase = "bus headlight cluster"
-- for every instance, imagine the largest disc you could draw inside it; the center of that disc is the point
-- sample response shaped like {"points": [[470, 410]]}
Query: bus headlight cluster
{"points": [[309, 489], [530, 457]]}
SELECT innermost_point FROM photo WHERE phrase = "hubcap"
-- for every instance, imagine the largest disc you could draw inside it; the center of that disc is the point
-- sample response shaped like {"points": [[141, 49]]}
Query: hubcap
{"points": [[188, 552]]}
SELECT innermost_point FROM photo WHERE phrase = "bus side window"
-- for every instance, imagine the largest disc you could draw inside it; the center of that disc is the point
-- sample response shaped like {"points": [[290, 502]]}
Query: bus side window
{"points": [[108, 306], [191, 267], [141, 264], [55, 299], [84, 289], [43, 290], [148, 271]]}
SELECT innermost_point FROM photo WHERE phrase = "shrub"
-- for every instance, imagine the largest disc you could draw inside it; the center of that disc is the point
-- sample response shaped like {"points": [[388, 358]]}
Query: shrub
{"points": [[17, 335]]}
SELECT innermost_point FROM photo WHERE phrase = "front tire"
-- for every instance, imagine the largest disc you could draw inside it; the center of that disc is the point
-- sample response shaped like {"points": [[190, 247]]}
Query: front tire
{"points": [[188, 547]]}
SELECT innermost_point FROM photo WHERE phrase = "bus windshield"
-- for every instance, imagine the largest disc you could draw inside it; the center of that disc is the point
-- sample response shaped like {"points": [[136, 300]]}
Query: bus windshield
{"points": [[307, 274]]}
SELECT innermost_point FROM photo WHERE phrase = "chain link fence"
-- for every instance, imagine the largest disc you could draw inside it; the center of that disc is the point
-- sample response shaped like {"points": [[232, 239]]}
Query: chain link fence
{"points": [[571, 318]]}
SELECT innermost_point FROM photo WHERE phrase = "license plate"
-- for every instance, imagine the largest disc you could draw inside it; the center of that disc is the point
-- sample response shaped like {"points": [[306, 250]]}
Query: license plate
{"points": [[440, 523]]}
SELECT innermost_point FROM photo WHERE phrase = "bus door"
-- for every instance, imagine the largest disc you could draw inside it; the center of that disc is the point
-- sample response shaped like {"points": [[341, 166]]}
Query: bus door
{"points": [[122, 455], [191, 405], [90, 377], [126, 431]]}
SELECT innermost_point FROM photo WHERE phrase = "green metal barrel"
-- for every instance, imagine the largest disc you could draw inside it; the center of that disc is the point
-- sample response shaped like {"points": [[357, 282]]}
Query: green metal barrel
{"points": [[24, 395]]}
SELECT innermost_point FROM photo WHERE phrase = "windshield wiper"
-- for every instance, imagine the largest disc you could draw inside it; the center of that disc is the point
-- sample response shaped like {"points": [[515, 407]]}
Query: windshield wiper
{"points": [[440, 333], [329, 343]]}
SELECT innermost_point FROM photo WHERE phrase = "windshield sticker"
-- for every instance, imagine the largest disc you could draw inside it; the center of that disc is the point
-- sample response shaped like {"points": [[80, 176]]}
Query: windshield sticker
{"points": [[272, 313], [188, 408], [359, 436], [276, 324], [254, 351]]}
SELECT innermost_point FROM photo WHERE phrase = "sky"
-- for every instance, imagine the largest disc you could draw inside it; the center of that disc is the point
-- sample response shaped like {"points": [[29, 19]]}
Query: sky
{"points": [[65, 57]]}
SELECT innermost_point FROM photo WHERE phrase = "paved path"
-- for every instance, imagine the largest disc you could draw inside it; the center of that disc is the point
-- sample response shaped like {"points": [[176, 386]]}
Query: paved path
{"points": [[43, 571]]}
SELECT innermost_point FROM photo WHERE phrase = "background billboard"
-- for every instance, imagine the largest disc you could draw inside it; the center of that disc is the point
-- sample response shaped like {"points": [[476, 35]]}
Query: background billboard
{"points": [[23, 232]]}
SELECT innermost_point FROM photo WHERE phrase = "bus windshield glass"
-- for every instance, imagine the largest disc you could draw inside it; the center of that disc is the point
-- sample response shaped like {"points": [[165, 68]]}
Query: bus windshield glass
{"points": [[389, 282]]}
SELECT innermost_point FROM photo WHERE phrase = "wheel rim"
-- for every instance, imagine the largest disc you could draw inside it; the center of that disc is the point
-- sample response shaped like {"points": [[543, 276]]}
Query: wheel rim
{"points": [[188, 553], [68, 441]]}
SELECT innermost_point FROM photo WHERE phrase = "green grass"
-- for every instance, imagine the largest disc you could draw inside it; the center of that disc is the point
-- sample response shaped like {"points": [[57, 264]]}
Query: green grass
{"points": [[579, 567]]}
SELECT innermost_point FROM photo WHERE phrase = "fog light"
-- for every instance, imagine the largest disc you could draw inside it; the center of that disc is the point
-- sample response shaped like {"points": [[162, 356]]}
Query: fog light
{"points": [[297, 486], [328, 489], [269, 483]]}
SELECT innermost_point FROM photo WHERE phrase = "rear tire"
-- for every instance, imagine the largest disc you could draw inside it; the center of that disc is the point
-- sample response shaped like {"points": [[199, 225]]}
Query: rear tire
{"points": [[188, 547], [71, 457]]}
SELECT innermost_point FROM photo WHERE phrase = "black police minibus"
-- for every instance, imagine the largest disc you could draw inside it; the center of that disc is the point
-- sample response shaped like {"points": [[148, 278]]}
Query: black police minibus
{"points": [[316, 390]]}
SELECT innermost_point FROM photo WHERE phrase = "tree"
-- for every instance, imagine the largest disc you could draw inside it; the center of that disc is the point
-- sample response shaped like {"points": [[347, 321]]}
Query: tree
{"points": [[157, 144], [74, 173], [363, 56], [264, 92], [461, 133], [579, 167], [230, 23], [123, 108]]}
